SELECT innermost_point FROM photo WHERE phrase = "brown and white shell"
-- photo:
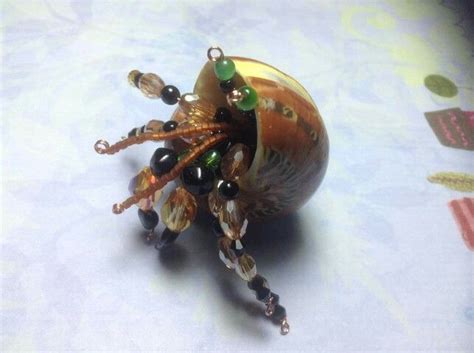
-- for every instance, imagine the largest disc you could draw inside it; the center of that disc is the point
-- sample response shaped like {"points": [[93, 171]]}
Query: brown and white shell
{"points": [[292, 146]]}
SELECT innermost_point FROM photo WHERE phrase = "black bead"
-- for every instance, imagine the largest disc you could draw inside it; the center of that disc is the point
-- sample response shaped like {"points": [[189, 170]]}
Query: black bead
{"points": [[197, 179], [216, 227], [237, 248], [223, 115], [257, 282], [229, 189], [227, 86], [149, 219], [170, 94], [275, 298], [162, 161], [170, 125], [263, 294], [279, 313], [223, 147], [143, 129], [133, 132], [166, 238], [249, 114]]}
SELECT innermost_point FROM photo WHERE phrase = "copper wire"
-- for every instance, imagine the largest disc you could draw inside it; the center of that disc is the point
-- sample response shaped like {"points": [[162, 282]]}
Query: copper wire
{"points": [[103, 147], [194, 153]]}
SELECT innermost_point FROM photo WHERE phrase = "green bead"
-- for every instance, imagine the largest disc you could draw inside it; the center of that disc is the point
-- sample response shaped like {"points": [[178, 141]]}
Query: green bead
{"points": [[224, 69], [182, 154], [211, 159], [250, 99]]}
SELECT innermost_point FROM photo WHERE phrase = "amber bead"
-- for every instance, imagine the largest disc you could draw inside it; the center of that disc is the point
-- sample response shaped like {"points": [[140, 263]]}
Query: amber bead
{"points": [[215, 202], [225, 253], [246, 267], [236, 162], [232, 219], [179, 210], [143, 181], [151, 85]]}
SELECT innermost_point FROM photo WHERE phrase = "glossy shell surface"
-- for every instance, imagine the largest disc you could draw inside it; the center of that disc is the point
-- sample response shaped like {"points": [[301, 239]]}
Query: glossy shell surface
{"points": [[292, 147]]}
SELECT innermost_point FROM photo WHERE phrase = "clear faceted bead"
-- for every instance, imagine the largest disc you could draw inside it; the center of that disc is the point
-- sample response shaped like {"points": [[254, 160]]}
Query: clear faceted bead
{"points": [[151, 85], [154, 125], [141, 182], [196, 109], [226, 254], [179, 210], [215, 202], [235, 162], [246, 267], [232, 220]]}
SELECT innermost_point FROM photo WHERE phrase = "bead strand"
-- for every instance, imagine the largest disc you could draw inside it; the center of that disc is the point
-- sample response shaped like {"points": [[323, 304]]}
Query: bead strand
{"points": [[233, 255], [152, 86]]}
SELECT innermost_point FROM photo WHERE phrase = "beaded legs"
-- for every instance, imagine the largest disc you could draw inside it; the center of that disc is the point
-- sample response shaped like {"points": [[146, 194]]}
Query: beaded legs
{"points": [[208, 153]]}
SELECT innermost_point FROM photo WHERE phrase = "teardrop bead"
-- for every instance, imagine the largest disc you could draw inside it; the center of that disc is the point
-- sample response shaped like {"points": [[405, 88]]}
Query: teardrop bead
{"points": [[151, 85], [236, 162], [225, 253], [196, 109], [246, 267], [214, 201], [232, 220], [143, 181], [179, 210]]}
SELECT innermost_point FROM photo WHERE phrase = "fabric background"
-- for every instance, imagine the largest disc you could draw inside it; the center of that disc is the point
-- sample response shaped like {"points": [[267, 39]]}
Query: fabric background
{"points": [[374, 262]]}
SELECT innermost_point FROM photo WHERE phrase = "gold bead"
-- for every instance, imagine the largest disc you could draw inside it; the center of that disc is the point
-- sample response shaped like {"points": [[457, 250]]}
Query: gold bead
{"points": [[179, 210]]}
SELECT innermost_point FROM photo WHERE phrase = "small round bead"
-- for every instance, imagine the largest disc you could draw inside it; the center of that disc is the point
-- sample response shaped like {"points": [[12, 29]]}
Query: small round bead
{"points": [[166, 238], [279, 313], [224, 69], [250, 98], [228, 190], [134, 77], [133, 132], [216, 228], [211, 159], [162, 161], [149, 218], [227, 86], [197, 179], [263, 294], [170, 94], [170, 125], [257, 282], [223, 115]]}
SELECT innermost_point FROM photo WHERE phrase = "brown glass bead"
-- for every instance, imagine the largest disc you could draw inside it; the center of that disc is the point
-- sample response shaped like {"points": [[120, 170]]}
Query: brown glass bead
{"points": [[226, 254], [235, 162], [179, 210], [154, 125], [151, 85], [246, 267], [232, 220]]}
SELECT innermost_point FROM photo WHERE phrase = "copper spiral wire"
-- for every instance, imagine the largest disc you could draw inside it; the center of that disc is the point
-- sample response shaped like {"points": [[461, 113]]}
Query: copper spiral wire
{"points": [[103, 147], [194, 153]]}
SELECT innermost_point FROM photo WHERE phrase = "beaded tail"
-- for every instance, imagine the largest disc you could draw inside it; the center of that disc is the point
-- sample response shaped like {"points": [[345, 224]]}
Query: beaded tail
{"points": [[214, 157]]}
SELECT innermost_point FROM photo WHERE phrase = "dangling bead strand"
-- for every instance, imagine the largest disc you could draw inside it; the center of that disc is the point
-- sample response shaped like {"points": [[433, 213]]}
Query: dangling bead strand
{"points": [[153, 86]]}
